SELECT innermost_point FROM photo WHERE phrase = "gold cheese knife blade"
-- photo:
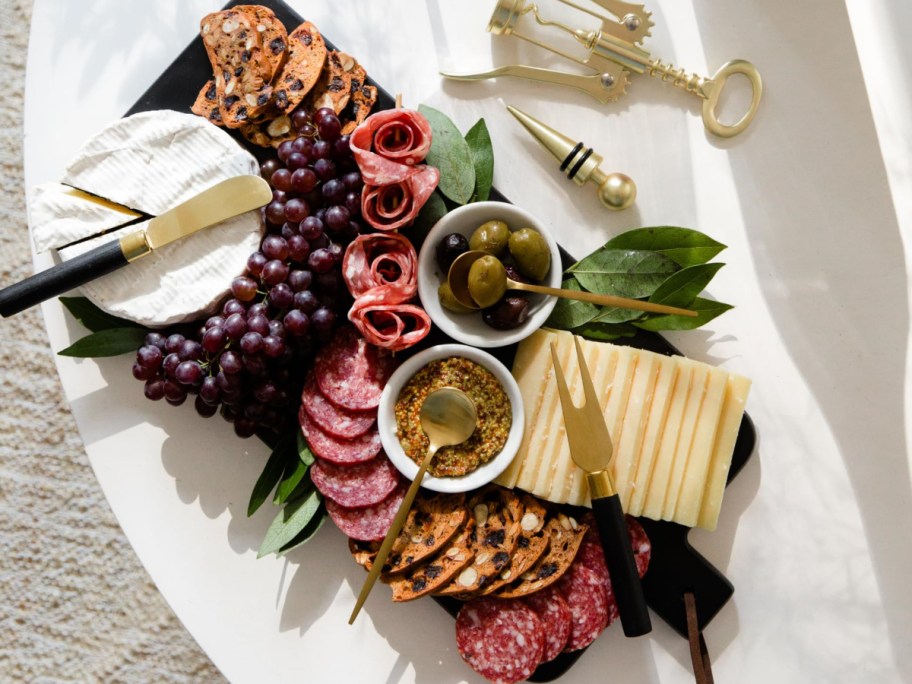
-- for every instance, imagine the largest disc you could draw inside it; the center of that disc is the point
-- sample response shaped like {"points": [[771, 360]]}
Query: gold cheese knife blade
{"points": [[591, 449], [219, 203]]}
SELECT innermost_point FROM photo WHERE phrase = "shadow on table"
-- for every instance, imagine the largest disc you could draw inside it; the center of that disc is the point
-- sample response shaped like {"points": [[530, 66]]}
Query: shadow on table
{"points": [[833, 275]]}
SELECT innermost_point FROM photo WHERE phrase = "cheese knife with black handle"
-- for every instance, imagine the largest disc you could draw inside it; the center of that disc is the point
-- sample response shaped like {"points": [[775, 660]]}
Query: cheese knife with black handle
{"points": [[219, 203]]}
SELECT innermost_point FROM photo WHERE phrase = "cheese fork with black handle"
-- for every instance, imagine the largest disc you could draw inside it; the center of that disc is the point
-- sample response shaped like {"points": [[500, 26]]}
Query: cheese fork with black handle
{"points": [[220, 202], [591, 449]]}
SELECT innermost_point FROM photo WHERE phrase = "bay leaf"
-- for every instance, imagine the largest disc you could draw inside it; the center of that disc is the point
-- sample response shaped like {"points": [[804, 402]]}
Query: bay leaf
{"points": [[685, 246], [267, 480], [290, 521], [605, 332], [307, 533], [682, 287], [451, 155], [111, 342], [612, 314], [707, 310], [479, 141], [93, 318], [304, 453], [432, 211], [623, 272], [570, 313], [294, 477]]}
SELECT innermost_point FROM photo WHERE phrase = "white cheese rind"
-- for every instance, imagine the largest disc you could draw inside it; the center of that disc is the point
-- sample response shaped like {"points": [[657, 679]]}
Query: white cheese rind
{"points": [[151, 162]]}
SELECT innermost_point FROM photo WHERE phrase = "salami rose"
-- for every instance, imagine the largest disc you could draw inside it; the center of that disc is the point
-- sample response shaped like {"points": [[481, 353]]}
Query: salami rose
{"points": [[381, 260], [391, 326], [387, 140], [392, 206]]}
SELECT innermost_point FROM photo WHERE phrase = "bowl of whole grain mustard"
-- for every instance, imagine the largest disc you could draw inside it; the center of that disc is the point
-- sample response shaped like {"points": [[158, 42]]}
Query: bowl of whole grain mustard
{"points": [[498, 433]]}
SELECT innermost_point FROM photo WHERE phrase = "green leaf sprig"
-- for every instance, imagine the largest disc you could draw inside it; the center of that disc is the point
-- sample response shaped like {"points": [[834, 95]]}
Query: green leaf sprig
{"points": [[287, 472], [665, 264], [109, 335]]}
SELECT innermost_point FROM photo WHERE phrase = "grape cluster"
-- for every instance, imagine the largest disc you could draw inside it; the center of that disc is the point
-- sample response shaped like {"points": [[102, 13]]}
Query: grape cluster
{"points": [[250, 359]]}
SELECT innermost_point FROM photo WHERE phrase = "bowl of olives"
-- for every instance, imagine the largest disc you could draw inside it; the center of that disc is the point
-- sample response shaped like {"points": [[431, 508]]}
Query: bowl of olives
{"points": [[506, 243]]}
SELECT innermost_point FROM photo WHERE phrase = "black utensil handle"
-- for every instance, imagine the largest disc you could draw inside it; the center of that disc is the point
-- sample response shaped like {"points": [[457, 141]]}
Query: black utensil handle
{"points": [[612, 528], [60, 278]]}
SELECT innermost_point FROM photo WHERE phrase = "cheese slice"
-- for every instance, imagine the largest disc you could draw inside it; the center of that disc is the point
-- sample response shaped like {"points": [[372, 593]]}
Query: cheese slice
{"points": [[652, 432], [531, 367], [654, 502], [60, 215], [628, 447], [554, 440], [736, 393], [151, 162], [688, 427], [690, 487]]}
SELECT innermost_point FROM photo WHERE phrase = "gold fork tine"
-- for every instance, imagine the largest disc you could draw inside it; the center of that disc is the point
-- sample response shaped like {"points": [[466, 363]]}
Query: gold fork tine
{"points": [[592, 399], [562, 389]]}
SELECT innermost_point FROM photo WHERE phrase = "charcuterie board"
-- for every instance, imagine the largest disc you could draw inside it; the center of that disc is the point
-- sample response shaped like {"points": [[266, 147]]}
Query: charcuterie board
{"points": [[676, 567]]}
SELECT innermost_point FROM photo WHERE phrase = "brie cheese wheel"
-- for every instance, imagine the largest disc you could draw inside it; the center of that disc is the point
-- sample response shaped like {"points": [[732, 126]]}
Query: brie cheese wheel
{"points": [[151, 162]]}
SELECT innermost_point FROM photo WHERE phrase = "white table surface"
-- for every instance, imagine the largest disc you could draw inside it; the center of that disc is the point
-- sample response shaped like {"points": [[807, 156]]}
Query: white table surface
{"points": [[814, 533]]}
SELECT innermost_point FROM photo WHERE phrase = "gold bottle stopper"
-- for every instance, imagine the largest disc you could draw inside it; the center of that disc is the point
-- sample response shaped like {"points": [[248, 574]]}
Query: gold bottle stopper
{"points": [[580, 163]]}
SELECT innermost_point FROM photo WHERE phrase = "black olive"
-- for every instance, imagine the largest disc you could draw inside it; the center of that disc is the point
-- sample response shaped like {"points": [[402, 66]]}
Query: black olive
{"points": [[510, 312], [449, 248]]}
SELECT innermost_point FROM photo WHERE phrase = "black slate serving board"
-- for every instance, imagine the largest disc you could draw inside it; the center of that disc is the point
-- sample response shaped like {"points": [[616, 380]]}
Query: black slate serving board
{"points": [[676, 567]]}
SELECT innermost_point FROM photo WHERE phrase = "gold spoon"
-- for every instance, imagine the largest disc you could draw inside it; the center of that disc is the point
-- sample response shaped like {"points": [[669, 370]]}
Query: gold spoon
{"points": [[448, 418], [458, 280]]}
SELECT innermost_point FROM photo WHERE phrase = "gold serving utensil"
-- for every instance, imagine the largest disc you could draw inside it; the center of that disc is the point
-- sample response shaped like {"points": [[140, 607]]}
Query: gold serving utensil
{"points": [[591, 450], [458, 279], [448, 417], [612, 52]]}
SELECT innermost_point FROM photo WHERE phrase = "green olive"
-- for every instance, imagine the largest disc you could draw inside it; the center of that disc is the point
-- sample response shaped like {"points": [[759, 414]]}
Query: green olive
{"points": [[449, 302], [487, 281], [531, 253], [491, 237]]}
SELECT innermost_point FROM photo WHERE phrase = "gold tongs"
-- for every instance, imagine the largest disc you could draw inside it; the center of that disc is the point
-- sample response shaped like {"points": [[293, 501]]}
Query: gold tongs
{"points": [[591, 450]]}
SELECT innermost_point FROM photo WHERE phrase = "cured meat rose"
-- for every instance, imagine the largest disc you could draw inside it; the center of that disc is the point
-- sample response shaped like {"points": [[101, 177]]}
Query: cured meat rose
{"points": [[388, 140], [367, 524], [339, 451], [356, 486], [585, 594], [501, 640], [392, 326], [554, 612], [330, 418], [351, 373], [381, 260], [394, 205]]}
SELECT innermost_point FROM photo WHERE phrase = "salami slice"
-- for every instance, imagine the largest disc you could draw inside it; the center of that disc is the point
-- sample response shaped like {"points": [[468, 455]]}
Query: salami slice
{"points": [[330, 418], [356, 486], [585, 594], [391, 326], [593, 557], [501, 640], [642, 547], [381, 260], [339, 451], [394, 205], [351, 373], [554, 612], [370, 523], [388, 143]]}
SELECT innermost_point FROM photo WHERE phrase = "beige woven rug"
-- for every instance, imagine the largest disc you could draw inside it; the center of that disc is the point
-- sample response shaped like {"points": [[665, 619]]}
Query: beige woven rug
{"points": [[75, 603]]}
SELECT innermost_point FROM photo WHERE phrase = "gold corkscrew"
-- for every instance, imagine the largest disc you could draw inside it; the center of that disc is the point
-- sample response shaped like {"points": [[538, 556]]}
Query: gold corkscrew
{"points": [[612, 54]]}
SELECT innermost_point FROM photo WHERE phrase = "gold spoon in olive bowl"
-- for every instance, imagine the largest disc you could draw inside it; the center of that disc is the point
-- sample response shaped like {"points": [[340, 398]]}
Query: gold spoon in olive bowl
{"points": [[448, 417]]}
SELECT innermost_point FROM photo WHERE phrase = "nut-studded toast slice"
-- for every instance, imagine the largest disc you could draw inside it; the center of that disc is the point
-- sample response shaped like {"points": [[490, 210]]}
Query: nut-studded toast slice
{"points": [[302, 69], [531, 546], [274, 37], [333, 90], [206, 104], [497, 514], [241, 70], [362, 101], [436, 572], [565, 536]]}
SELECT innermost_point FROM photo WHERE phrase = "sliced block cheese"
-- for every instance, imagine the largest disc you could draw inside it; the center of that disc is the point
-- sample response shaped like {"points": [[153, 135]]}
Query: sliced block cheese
{"points": [[151, 162], [720, 461], [673, 423]]}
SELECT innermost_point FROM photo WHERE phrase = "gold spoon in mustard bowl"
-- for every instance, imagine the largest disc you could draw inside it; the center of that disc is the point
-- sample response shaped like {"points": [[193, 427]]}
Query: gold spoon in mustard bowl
{"points": [[498, 282], [448, 418]]}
